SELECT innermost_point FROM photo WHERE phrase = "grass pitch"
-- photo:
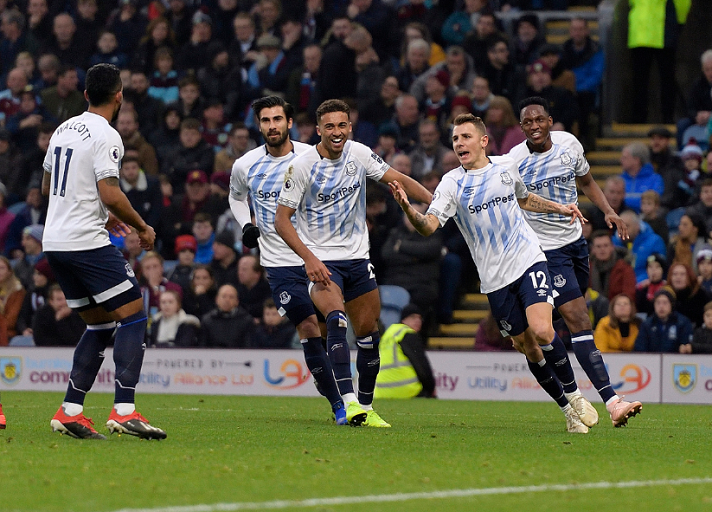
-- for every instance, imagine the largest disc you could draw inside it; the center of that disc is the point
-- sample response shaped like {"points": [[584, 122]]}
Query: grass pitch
{"points": [[273, 453]]}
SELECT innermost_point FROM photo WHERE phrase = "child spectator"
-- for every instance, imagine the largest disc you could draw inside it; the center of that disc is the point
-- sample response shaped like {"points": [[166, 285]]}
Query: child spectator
{"points": [[702, 338], [215, 130], [56, 324], [704, 270], [618, 331], [665, 330], [204, 236], [173, 327], [201, 295], [189, 103], [273, 331], [686, 188], [645, 291], [164, 80], [185, 248], [108, 51], [652, 212]]}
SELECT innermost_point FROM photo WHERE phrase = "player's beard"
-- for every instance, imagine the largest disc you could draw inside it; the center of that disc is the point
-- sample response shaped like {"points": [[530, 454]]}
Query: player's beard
{"points": [[282, 139], [115, 116]]}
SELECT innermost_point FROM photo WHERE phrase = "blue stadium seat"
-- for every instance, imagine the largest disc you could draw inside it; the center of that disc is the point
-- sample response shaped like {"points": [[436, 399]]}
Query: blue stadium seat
{"points": [[22, 341], [393, 300]]}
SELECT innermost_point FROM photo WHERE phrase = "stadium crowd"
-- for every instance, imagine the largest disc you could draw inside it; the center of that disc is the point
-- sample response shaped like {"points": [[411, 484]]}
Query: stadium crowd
{"points": [[190, 71]]}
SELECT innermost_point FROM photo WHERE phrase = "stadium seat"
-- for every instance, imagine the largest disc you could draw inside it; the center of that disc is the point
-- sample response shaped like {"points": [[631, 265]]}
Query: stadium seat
{"points": [[393, 300], [22, 341]]}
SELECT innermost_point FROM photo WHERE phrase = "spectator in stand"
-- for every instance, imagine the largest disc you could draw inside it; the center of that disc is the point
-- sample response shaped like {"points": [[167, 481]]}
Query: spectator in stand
{"points": [[436, 105], [461, 104], [243, 49], [273, 330], [614, 190], [381, 109], [15, 39], [702, 337], [405, 121], [179, 15], [34, 212], [204, 236], [108, 51], [415, 64], [460, 72], [302, 85], [638, 174], [386, 147], [32, 246], [194, 154], [24, 125], [481, 96], [10, 97], [228, 325], [224, 261], [142, 191], [158, 34], [488, 337], [11, 160], [195, 53], [26, 62], [642, 242], [148, 108], [64, 100], [527, 40], [582, 55], [340, 59], [252, 286], [406, 369], [129, 24], [690, 296], [652, 213], [413, 263], [666, 164], [164, 78], [562, 104], [416, 30], [306, 129], [704, 269], [376, 18], [133, 252], [31, 174], [39, 23], [428, 153], [36, 296], [691, 238], [166, 139], [475, 43], [128, 127], [215, 129], [699, 100], [268, 15], [550, 54], [502, 127], [185, 248], [665, 330], [200, 298], [6, 217], [401, 163], [221, 79], [65, 44], [12, 295], [189, 104], [153, 283], [48, 66], [611, 275], [502, 75], [223, 13], [172, 326], [656, 267], [618, 331], [56, 324], [460, 23], [238, 143], [703, 207]]}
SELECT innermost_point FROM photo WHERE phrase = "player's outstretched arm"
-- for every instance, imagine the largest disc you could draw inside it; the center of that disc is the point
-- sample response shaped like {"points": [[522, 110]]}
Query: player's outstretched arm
{"points": [[116, 201], [423, 224], [589, 187], [315, 269], [535, 203], [411, 187]]}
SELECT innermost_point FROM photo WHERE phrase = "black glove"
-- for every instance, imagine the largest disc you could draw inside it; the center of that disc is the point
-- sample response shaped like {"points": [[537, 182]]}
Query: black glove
{"points": [[250, 234]]}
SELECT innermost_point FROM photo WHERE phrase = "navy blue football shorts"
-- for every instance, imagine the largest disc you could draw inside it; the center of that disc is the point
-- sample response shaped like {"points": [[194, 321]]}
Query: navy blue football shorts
{"points": [[290, 292], [509, 304], [354, 277], [94, 277], [569, 271]]}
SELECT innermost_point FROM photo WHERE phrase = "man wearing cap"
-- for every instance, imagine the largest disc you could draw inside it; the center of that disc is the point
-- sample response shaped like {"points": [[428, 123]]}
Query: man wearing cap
{"points": [[666, 330], [224, 262], [195, 54], [185, 248], [405, 368], [259, 175], [32, 245]]}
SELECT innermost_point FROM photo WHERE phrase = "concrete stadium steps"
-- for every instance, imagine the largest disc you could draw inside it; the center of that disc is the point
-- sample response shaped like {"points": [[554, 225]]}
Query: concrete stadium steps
{"points": [[632, 130], [460, 335], [557, 31]]}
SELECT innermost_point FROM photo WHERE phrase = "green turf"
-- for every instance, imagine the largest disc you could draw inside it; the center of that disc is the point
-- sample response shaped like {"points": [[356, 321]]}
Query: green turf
{"points": [[257, 449]]}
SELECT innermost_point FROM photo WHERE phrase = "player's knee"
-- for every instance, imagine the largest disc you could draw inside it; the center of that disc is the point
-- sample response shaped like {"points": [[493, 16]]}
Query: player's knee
{"points": [[543, 332], [309, 328]]}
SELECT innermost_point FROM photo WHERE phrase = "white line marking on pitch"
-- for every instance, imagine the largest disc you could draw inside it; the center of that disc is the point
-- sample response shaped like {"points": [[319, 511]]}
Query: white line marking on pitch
{"points": [[383, 498]]}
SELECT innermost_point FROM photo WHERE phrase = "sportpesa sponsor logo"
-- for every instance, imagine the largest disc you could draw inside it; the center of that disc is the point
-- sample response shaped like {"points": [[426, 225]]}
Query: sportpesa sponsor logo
{"points": [[269, 194], [339, 193], [551, 182], [475, 208]]}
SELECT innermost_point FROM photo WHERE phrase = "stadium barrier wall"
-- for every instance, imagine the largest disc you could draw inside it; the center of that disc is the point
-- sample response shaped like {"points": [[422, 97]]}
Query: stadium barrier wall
{"points": [[651, 378]]}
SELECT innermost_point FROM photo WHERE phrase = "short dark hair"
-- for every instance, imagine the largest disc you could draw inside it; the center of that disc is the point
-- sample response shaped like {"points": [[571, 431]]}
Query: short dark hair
{"points": [[238, 125], [600, 233], [533, 100], [102, 82], [129, 159], [330, 106], [272, 101], [190, 123], [188, 79], [469, 118], [203, 217]]}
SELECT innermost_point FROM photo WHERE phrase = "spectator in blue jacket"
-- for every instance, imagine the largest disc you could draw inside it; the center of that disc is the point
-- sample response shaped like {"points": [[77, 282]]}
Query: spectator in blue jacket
{"points": [[665, 330], [638, 174], [643, 242]]}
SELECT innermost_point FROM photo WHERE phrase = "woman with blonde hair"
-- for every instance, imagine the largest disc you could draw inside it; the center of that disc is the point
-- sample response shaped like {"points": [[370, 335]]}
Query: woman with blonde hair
{"points": [[617, 331], [11, 296], [502, 127]]}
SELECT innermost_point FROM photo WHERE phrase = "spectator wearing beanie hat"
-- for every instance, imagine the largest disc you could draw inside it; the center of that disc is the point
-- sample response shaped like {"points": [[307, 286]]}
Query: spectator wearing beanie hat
{"points": [[185, 249], [224, 263], [32, 246], [665, 330], [36, 296]]}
